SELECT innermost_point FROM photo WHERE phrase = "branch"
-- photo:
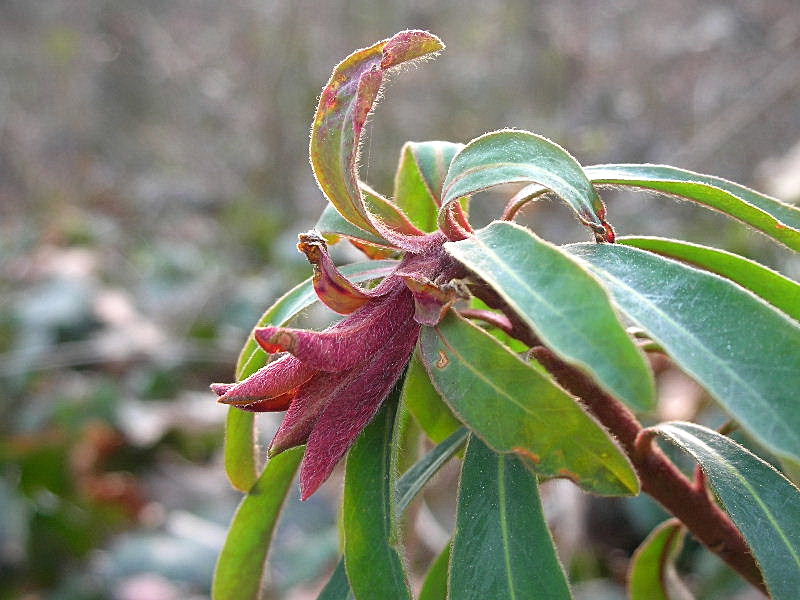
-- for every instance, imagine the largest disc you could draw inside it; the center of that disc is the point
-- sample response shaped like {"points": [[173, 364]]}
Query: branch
{"points": [[660, 478], [689, 502]]}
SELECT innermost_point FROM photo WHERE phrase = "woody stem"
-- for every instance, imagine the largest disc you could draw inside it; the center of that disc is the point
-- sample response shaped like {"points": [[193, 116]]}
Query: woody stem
{"points": [[660, 478]]}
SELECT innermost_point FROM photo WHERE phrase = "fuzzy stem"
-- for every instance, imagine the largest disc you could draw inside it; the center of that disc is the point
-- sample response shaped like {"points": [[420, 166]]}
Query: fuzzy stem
{"points": [[659, 476]]}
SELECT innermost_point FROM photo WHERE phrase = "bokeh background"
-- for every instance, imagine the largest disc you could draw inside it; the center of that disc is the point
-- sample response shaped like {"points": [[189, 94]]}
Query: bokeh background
{"points": [[153, 178]]}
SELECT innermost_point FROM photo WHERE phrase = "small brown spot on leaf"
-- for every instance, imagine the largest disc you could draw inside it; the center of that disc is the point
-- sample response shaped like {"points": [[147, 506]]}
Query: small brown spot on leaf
{"points": [[443, 360], [525, 453]]}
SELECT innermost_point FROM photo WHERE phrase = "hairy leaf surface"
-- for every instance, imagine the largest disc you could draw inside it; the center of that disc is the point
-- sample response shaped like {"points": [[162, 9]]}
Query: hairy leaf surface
{"points": [[563, 303], [763, 504], [742, 350], [502, 547], [514, 407], [780, 291], [241, 566]]}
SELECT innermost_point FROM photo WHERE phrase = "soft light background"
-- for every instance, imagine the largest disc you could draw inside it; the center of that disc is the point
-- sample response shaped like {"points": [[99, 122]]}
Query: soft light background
{"points": [[153, 178]]}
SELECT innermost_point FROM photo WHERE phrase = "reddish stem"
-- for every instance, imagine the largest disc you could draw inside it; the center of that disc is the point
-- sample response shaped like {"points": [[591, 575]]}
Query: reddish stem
{"points": [[659, 476]]}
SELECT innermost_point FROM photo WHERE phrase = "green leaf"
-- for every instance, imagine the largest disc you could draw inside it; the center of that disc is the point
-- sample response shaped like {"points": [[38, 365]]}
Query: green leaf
{"points": [[501, 547], [511, 156], [776, 219], [418, 182], [743, 351], [240, 438], [435, 585], [425, 403], [374, 566], [241, 566], [337, 588], [780, 291], [413, 480], [343, 107], [563, 303], [241, 449], [651, 573], [514, 407], [763, 504], [330, 221]]}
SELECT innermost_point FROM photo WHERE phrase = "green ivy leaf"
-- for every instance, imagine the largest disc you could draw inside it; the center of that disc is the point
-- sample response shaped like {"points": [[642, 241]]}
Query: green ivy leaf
{"points": [[425, 404], [514, 407], [743, 351], [511, 156], [240, 438], [780, 291], [501, 547], [343, 107], [413, 480], [240, 569], [651, 573], [374, 567], [435, 584], [419, 178], [763, 504], [778, 220], [563, 303]]}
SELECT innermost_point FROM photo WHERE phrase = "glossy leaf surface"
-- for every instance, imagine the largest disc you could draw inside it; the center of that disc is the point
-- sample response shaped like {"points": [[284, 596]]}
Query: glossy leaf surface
{"points": [[762, 503], [563, 303], [501, 546], [425, 405], [512, 156], [778, 220], [743, 351], [374, 566], [344, 106], [651, 573], [418, 182], [780, 291], [240, 569], [514, 407]]}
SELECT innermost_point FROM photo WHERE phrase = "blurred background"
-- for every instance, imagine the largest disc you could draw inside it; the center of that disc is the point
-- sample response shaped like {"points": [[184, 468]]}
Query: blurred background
{"points": [[153, 179]]}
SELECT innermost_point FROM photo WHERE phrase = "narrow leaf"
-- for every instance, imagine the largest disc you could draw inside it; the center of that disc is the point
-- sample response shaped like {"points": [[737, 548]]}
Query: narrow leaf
{"points": [[563, 303], [240, 438], [763, 504], [514, 407], [435, 585], [330, 221], [776, 219], [502, 547], [651, 573], [418, 182], [743, 351], [240, 570], [780, 291], [337, 588], [511, 156], [374, 566], [344, 105], [413, 480], [241, 461], [426, 405]]}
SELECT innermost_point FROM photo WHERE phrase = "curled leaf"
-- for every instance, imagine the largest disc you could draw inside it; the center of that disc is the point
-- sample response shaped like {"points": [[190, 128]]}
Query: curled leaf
{"points": [[344, 106]]}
